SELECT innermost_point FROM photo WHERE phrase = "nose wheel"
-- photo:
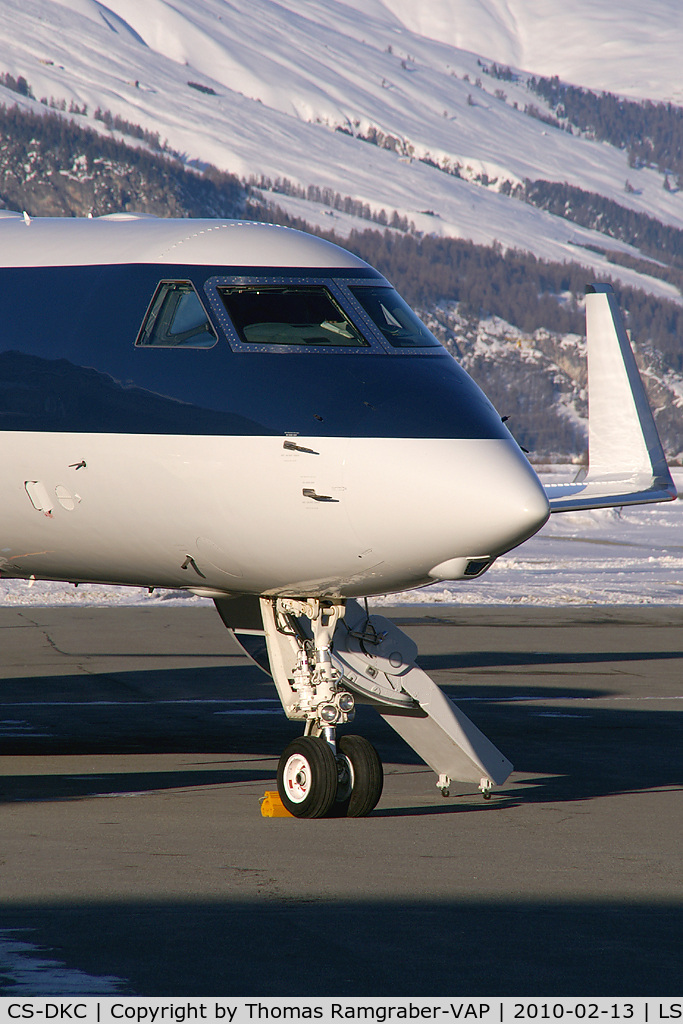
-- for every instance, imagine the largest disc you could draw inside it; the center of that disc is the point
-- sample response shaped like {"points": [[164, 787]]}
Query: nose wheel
{"points": [[307, 777], [366, 777], [315, 782]]}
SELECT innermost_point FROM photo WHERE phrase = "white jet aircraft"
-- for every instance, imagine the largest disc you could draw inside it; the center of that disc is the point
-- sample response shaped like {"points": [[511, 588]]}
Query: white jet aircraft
{"points": [[253, 414]]}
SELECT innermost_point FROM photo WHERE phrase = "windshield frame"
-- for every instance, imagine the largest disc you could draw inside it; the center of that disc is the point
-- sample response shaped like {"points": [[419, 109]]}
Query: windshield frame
{"points": [[222, 317], [338, 288]]}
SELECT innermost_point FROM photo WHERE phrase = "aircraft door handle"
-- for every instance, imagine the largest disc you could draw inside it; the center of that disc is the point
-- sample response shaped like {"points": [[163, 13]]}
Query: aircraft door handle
{"points": [[309, 492]]}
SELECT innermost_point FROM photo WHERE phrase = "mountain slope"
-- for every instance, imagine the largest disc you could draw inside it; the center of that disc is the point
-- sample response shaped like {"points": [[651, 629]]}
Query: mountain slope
{"points": [[300, 90], [632, 47], [340, 109]]}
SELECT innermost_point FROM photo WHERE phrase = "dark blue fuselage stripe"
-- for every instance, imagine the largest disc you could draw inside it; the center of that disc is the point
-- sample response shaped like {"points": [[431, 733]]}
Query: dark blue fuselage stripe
{"points": [[68, 363]]}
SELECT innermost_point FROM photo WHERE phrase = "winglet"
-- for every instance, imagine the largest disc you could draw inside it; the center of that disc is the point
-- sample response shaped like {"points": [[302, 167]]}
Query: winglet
{"points": [[627, 465]]}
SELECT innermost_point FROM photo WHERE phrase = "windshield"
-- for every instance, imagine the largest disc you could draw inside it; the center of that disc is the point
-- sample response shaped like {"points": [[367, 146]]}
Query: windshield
{"points": [[305, 315], [400, 326]]}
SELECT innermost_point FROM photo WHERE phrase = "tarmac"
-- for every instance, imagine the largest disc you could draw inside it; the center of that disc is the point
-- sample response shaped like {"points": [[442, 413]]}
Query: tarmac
{"points": [[136, 744]]}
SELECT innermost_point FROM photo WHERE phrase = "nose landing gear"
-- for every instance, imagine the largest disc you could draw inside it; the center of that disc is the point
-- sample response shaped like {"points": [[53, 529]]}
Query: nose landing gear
{"points": [[319, 683], [318, 777]]}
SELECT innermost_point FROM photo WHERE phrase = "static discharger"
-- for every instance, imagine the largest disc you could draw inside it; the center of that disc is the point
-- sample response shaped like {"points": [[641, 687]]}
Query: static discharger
{"points": [[272, 806]]}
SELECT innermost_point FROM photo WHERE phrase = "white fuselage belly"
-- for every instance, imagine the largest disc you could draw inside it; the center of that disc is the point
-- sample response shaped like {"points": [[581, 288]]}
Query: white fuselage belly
{"points": [[229, 513]]}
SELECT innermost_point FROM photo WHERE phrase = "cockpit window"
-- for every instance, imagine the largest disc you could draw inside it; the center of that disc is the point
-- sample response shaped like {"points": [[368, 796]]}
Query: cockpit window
{"points": [[394, 317], [176, 318], [301, 315]]}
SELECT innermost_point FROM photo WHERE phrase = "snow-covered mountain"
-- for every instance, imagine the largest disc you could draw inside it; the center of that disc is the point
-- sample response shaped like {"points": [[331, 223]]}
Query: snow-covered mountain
{"points": [[295, 89], [632, 48]]}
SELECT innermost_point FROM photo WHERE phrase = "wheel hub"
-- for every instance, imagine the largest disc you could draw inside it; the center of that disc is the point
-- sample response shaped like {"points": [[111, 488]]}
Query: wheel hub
{"points": [[297, 778]]}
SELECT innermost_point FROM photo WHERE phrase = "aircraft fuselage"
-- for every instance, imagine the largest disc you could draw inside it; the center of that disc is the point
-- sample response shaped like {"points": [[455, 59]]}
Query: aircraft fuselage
{"points": [[302, 441]]}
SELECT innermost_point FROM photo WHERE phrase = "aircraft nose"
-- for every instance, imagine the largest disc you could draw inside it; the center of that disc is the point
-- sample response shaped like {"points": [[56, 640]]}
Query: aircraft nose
{"points": [[499, 513], [522, 503], [440, 501]]}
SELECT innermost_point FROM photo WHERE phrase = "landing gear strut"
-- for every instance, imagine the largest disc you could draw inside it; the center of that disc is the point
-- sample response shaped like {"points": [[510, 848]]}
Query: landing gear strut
{"points": [[316, 776], [319, 683]]}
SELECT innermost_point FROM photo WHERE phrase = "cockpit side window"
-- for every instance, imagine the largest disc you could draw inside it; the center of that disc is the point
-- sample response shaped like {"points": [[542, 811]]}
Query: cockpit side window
{"points": [[176, 318], [292, 315], [395, 319]]}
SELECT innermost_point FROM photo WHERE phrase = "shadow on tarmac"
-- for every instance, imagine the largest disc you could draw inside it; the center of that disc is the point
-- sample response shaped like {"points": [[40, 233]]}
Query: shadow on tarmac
{"points": [[27, 788], [317, 946], [577, 750], [290, 948], [460, 661]]}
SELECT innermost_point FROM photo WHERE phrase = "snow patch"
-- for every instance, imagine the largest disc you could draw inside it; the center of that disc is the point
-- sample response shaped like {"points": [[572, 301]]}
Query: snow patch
{"points": [[26, 973]]}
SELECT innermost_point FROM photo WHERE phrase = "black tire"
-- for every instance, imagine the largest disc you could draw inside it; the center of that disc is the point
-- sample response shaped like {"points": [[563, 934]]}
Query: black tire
{"points": [[366, 773], [307, 777]]}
